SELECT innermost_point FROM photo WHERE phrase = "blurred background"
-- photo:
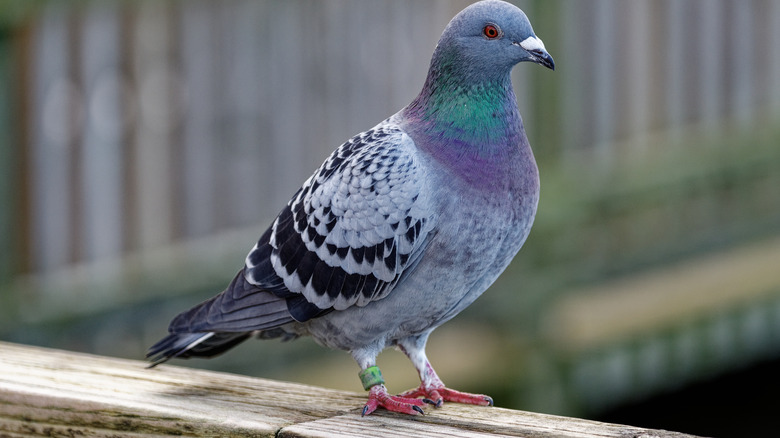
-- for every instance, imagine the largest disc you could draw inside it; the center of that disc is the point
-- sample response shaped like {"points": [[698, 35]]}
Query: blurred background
{"points": [[146, 145]]}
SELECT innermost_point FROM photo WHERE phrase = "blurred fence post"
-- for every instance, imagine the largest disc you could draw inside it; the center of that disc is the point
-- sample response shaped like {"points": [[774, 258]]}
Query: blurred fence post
{"points": [[8, 172], [56, 104], [101, 156]]}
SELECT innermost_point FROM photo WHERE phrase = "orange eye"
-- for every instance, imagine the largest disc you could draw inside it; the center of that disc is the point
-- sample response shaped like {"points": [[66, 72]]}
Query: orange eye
{"points": [[491, 31]]}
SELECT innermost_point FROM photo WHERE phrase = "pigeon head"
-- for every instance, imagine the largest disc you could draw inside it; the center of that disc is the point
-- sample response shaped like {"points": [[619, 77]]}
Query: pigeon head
{"points": [[467, 97], [487, 39]]}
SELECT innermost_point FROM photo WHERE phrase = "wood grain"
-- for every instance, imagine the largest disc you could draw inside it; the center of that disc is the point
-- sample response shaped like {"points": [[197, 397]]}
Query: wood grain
{"points": [[46, 392]]}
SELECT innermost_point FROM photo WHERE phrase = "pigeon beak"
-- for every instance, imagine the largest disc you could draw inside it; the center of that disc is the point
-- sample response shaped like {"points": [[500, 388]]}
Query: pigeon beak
{"points": [[535, 48], [541, 57]]}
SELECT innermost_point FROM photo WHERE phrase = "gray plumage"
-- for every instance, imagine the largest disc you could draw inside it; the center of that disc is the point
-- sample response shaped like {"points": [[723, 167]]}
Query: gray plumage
{"points": [[404, 225]]}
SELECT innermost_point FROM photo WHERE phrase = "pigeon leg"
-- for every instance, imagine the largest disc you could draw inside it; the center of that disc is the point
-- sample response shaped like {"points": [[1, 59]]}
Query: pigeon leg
{"points": [[431, 387], [374, 383], [378, 396]]}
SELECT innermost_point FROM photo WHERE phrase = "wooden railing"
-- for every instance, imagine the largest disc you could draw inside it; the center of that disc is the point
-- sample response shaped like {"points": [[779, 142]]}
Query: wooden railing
{"points": [[46, 392]]}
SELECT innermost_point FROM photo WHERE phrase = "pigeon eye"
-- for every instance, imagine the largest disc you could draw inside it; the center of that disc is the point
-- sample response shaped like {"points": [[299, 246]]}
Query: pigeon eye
{"points": [[491, 31]]}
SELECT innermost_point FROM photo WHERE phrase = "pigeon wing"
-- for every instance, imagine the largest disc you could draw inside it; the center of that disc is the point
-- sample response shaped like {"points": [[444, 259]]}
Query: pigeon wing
{"points": [[357, 226], [351, 233]]}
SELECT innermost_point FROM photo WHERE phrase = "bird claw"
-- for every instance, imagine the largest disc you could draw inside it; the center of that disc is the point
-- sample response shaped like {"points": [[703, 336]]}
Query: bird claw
{"points": [[431, 402], [378, 396], [437, 396]]}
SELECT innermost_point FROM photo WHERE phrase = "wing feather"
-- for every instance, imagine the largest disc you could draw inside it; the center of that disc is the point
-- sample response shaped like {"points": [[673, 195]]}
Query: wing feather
{"points": [[356, 228], [350, 232]]}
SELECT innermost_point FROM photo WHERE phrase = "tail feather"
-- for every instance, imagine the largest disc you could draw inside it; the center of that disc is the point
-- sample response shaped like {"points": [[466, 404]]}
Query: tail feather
{"points": [[184, 345], [225, 320]]}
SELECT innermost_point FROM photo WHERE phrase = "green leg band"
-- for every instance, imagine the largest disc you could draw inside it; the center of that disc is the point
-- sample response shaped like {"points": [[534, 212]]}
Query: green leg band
{"points": [[371, 376]]}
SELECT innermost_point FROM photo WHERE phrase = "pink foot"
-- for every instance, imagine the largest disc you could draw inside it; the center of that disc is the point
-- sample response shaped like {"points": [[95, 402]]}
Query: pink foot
{"points": [[378, 396], [437, 396]]}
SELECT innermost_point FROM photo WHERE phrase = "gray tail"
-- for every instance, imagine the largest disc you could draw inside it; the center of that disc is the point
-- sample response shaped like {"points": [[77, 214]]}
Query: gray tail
{"points": [[184, 345]]}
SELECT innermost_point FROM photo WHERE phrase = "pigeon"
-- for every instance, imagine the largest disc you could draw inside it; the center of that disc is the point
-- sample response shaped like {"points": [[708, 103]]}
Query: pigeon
{"points": [[401, 228]]}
